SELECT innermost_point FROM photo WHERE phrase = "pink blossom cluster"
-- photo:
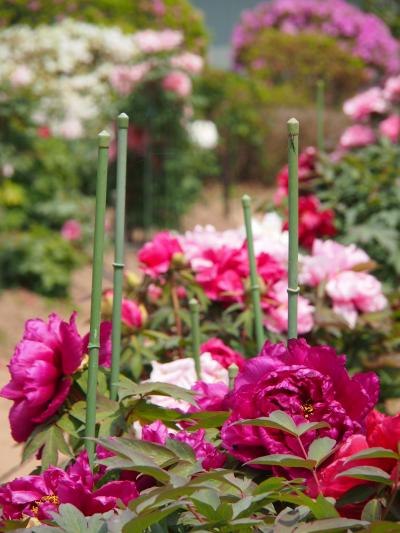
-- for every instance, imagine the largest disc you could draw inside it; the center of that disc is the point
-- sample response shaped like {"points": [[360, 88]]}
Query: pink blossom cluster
{"points": [[336, 268], [152, 41], [374, 112], [363, 34]]}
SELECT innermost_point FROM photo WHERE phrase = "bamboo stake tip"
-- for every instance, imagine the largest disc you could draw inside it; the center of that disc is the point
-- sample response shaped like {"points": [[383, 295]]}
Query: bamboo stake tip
{"points": [[123, 120], [246, 200], [293, 125], [104, 139], [193, 303]]}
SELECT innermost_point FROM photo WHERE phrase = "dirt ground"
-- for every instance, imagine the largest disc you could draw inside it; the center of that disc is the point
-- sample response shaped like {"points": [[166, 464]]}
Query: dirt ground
{"points": [[18, 305]]}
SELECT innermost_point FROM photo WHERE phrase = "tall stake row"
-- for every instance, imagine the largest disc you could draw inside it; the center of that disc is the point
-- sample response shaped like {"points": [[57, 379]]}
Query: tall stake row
{"points": [[118, 265]]}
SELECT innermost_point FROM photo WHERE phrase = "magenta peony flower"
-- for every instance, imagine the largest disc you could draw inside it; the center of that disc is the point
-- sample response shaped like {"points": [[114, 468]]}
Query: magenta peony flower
{"points": [[105, 344], [357, 136], [41, 369], [390, 128], [205, 452], [39, 495], [71, 230], [178, 83], [210, 396], [222, 353], [156, 256], [311, 384], [133, 315]]}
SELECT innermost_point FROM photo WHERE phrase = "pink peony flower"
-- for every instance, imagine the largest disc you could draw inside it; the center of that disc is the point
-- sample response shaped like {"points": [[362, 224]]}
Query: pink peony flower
{"points": [[357, 136], [183, 374], [355, 291], [328, 258], [41, 369], [39, 495], [210, 396], [204, 451], [156, 256], [275, 306], [222, 353], [179, 83], [221, 272], [311, 384], [307, 172], [105, 344], [361, 106], [133, 315], [390, 128], [151, 41], [154, 292], [269, 269], [124, 78], [392, 89], [71, 230], [192, 63]]}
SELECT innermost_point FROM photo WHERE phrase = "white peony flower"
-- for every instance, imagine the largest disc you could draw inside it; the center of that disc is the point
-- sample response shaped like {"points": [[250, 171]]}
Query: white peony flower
{"points": [[204, 133]]}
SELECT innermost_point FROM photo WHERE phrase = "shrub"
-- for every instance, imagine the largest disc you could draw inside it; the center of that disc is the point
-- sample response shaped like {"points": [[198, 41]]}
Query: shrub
{"points": [[270, 58], [387, 10], [364, 37], [130, 15]]}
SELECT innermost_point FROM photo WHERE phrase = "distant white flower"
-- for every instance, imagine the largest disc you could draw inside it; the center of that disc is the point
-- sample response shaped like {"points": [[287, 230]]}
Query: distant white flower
{"points": [[8, 170], [70, 129], [204, 133], [21, 76]]}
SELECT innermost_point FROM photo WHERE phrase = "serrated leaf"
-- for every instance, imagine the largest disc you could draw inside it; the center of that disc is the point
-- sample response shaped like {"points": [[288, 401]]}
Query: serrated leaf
{"points": [[369, 473], [320, 449], [285, 460], [373, 453]]}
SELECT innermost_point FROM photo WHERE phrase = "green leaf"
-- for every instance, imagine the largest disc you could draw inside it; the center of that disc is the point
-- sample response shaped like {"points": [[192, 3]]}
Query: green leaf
{"points": [[372, 511], [207, 501], [311, 426], [130, 448], [208, 419], [356, 495], [264, 422], [331, 525], [286, 460], [155, 388], [12, 525], [384, 527], [320, 449], [53, 445], [140, 523], [181, 450], [282, 418], [373, 453], [369, 473]]}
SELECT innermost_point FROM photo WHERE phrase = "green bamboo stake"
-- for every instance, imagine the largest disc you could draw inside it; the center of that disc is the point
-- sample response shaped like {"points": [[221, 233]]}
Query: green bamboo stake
{"points": [[97, 274], [118, 265], [293, 289], [195, 326], [255, 288], [320, 115], [233, 371]]}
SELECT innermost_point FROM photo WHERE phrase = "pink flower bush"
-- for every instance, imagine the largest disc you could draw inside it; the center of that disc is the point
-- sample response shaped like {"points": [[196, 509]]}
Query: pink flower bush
{"points": [[352, 292], [192, 63], [151, 41], [276, 311], [390, 128], [365, 104], [308, 383], [156, 256], [41, 368], [357, 136], [222, 353], [179, 83], [39, 495], [205, 452], [365, 35]]}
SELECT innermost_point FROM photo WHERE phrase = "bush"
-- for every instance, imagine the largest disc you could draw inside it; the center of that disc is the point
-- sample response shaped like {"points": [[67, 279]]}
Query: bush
{"points": [[129, 15], [240, 107], [270, 58], [363, 187], [369, 40], [387, 10]]}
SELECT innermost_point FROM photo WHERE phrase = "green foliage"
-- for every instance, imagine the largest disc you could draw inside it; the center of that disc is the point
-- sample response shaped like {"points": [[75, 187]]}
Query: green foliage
{"points": [[130, 15], [363, 187], [240, 106], [270, 59]]}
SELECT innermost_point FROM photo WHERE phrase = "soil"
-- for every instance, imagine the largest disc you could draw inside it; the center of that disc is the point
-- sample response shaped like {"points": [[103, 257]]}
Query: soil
{"points": [[18, 305]]}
